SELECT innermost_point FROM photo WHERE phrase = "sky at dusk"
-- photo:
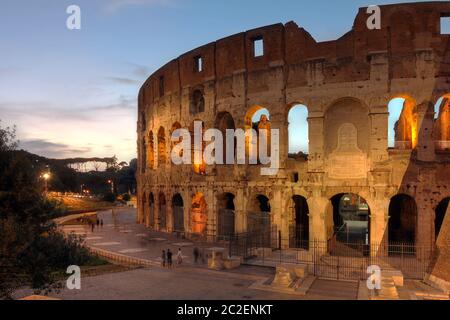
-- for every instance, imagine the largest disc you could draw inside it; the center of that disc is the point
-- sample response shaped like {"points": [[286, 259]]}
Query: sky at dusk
{"points": [[72, 93]]}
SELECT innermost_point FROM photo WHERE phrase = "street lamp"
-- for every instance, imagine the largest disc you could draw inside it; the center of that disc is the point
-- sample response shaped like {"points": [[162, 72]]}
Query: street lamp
{"points": [[46, 177], [112, 185]]}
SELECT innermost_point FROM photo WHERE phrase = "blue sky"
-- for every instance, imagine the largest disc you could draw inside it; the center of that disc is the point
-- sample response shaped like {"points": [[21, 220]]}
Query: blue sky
{"points": [[73, 93]]}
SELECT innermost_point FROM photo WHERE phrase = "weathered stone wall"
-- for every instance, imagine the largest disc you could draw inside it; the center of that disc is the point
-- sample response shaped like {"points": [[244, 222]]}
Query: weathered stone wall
{"points": [[346, 85]]}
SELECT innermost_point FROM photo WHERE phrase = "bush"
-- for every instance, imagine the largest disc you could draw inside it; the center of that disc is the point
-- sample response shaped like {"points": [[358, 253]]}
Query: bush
{"points": [[109, 197]]}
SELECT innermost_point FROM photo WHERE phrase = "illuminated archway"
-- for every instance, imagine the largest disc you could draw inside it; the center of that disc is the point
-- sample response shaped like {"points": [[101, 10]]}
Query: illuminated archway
{"points": [[162, 154], [402, 123], [151, 151], [199, 214], [441, 131], [257, 118], [350, 220], [198, 165]]}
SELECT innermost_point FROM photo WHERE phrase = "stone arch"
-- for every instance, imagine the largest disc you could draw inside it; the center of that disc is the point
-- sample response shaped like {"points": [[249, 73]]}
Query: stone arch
{"points": [[151, 212], [224, 121], [151, 151], [197, 103], [402, 219], [198, 165], [144, 160], [199, 214], [441, 211], [175, 126], [259, 214], [298, 130], [257, 118], [162, 211], [441, 130], [225, 215], [162, 152], [402, 123], [299, 231], [178, 213], [348, 220]]}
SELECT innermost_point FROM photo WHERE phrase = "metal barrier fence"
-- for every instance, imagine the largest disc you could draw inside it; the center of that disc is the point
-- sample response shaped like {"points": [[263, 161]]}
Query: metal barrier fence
{"points": [[332, 259]]}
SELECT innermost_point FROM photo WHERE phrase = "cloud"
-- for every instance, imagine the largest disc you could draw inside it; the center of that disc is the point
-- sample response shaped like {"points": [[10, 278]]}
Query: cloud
{"points": [[52, 149], [114, 5], [123, 80]]}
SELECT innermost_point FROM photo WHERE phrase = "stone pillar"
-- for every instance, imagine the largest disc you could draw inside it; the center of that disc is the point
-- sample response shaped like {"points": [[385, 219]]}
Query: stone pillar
{"points": [[211, 224], [240, 221], [378, 134], [379, 218], [425, 124], [316, 143], [187, 202], [317, 208]]}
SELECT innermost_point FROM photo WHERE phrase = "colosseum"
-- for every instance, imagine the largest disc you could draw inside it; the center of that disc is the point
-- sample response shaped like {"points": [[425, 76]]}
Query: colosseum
{"points": [[360, 175]]}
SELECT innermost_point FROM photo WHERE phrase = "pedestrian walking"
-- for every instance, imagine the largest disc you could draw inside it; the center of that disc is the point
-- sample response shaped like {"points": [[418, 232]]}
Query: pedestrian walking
{"points": [[169, 258], [101, 223], [163, 256], [92, 226], [179, 257], [98, 223], [196, 254]]}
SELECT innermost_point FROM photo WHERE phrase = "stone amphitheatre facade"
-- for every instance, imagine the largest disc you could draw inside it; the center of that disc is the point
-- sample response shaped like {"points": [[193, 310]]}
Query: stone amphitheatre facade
{"points": [[346, 86]]}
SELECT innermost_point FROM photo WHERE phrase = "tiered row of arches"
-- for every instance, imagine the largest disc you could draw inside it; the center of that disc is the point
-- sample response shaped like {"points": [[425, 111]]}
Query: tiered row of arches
{"points": [[403, 128], [347, 218]]}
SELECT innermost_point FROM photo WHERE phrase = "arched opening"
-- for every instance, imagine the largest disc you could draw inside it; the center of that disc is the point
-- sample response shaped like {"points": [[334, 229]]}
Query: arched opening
{"points": [[257, 118], [402, 220], [175, 127], [162, 155], [162, 212], [151, 151], [143, 155], [402, 124], [197, 104], [199, 214], [298, 131], [441, 131], [351, 223], [178, 213], [258, 215], [300, 230], [225, 121], [226, 216], [198, 165], [151, 216], [441, 211], [143, 206]]}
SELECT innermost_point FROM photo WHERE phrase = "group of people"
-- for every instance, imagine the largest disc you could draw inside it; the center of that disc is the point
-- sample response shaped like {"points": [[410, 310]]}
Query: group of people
{"points": [[167, 258], [98, 223]]}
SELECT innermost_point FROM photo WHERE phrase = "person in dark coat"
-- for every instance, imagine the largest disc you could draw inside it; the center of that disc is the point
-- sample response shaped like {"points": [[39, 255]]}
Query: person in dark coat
{"points": [[163, 256], [169, 258], [196, 254]]}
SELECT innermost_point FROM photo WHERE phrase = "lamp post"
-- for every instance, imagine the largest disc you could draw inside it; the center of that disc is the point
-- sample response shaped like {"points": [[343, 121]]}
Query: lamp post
{"points": [[112, 185], [46, 177]]}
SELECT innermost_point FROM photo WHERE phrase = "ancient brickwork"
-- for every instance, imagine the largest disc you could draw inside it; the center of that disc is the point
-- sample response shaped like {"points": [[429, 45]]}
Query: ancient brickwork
{"points": [[346, 85]]}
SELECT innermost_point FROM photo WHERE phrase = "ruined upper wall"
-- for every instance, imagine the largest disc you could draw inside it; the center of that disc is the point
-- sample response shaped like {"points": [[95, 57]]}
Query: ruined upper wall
{"points": [[405, 29]]}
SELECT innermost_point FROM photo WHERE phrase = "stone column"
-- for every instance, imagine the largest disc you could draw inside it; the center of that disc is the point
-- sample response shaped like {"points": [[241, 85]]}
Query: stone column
{"points": [[316, 143], [239, 213], [211, 225], [379, 217], [317, 208], [425, 124]]}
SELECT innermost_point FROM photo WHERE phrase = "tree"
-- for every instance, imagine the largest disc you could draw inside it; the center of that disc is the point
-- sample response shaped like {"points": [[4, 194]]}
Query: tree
{"points": [[31, 248]]}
